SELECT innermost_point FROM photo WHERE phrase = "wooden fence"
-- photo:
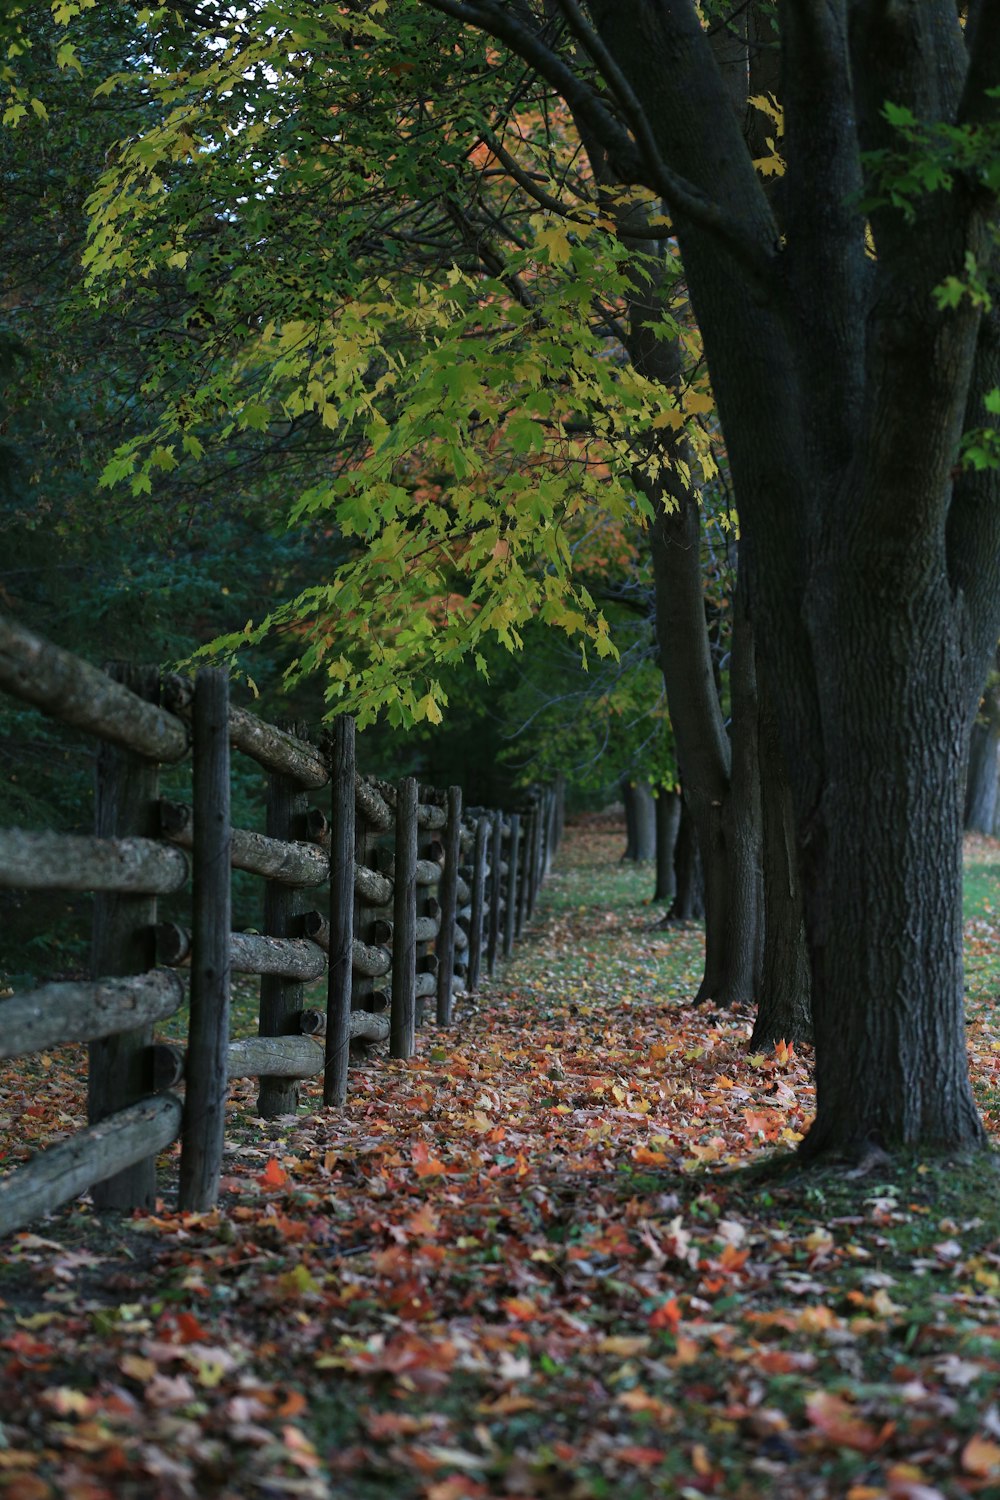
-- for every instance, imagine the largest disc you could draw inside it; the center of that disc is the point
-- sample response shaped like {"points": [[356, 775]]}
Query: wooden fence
{"points": [[393, 891]]}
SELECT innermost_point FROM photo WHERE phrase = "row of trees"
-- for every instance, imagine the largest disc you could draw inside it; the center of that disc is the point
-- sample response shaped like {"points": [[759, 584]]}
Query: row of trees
{"points": [[489, 285]]}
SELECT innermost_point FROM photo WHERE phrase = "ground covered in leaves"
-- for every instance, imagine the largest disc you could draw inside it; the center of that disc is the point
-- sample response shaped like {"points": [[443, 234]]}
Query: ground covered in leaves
{"points": [[529, 1263]]}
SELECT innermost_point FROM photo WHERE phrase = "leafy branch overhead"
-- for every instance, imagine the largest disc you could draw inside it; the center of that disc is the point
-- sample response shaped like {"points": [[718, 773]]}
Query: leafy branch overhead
{"points": [[456, 348]]}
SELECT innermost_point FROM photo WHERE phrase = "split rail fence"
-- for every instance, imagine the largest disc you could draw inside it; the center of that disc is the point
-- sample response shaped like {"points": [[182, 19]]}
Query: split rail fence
{"points": [[422, 896]]}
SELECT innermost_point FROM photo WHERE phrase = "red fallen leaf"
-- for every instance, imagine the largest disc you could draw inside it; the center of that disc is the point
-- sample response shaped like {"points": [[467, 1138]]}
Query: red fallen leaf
{"points": [[667, 1315], [26, 1346], [783, 1361], [423, 1163], [273, 1175], [180, 1328], [836, 1419], [784, 1052], [643, 1458]]}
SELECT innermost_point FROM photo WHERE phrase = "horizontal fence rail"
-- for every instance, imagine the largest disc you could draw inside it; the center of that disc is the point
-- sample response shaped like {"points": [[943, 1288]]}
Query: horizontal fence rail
{"points": [[421, 896]]}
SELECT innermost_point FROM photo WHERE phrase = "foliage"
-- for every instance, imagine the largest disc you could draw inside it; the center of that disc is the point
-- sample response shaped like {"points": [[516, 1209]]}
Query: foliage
{"points": [[522, 1264], [456, 347]]}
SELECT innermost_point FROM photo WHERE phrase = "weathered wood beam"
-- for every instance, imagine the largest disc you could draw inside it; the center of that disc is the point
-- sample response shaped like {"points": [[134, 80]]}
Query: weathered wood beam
{"points": [[362, 1025], [249, 953], [77, 693], [427, 871], [275, 1057], [372, 805], [79, 1011], [426, 929], [79, 862], [271, 747], [366, 958], [370, 887], [287, 861], [100, 1151]]}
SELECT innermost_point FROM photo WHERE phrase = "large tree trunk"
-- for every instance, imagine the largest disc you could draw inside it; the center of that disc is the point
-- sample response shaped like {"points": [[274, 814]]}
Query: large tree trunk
{"points": [[883, 904], [841, 387]]}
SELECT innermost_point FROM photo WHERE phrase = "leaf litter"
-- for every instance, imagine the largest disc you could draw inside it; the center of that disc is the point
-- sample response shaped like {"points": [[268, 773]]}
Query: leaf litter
{"points": [[529, 1262]]}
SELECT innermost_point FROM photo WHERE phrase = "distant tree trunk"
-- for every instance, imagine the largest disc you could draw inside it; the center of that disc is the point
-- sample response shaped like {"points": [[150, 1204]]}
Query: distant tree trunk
{"points": [[668, 818], [689, 890], [984, 748], [640, 821], [734, 978], [783, 1009]]}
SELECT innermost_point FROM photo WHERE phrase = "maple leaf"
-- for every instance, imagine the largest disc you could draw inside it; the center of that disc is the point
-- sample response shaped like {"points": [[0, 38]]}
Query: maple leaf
{"points": [[667, 1315], [273, 1175]]}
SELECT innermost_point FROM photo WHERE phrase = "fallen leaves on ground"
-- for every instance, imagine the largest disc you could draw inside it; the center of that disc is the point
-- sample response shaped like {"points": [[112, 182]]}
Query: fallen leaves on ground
{"points": [[519, 1265]]}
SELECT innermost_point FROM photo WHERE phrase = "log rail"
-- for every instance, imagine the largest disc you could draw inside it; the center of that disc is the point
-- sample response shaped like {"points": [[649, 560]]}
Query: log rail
{"points": [[405, 920]]}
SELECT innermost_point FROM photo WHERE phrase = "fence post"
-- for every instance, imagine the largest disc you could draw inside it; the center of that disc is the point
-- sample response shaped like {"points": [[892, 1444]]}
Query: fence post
{"points": [[123, 942], [340, 974], [524, 884], [449, 906], [402, 1014], [496, 889], [280, 998], [478, 893], [203, 1130], [510, 913]]}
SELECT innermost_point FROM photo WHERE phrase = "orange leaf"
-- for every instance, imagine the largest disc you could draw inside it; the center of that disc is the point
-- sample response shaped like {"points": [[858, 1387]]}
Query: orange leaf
{"points": [[521, 1308], [980, 1456], [273, 1175], [836, 1420], [647, 1158], [423, 1163], [667, 1315]]}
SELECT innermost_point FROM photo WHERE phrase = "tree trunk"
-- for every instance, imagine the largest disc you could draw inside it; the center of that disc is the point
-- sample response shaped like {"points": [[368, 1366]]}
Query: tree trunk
{"points": [[984, 763], [733, 968], [668, 819], [883, 905], [784, 1013], [689, 891], [640, 822], [981, 789]]}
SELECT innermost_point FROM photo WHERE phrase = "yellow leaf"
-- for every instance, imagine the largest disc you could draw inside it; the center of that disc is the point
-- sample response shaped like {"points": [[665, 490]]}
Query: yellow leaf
{"points": [[698, 401]]}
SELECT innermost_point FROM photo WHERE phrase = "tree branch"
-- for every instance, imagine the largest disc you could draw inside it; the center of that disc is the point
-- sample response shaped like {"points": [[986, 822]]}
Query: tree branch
{"points": [[626, 158]]}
